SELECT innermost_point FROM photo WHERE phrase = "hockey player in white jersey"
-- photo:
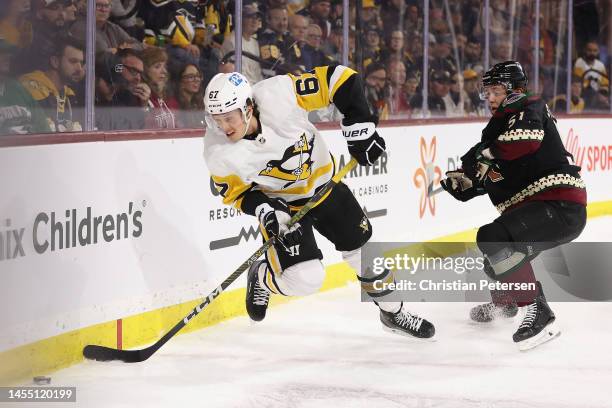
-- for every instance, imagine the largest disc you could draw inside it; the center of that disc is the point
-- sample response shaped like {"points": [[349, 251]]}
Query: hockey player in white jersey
{"points": [[267, 160]]}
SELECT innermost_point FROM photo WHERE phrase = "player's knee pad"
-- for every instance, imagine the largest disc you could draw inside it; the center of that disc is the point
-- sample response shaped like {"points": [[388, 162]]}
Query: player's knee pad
{"points": [[353, 258], [502, 258], [302, 279], [493, 237], [505, 261]]}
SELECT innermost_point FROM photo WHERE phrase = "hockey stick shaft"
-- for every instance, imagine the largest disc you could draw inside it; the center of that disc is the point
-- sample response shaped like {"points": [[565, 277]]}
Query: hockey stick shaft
{"points": [[102, 353]]}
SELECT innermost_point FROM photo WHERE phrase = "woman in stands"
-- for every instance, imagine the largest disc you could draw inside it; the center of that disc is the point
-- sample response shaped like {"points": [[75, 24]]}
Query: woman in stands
{"points": [[187, 83], [162, 108]]}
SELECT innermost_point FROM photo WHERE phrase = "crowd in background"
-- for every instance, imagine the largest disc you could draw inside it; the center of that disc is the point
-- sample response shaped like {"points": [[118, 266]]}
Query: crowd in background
{"points": [[155, 57]]}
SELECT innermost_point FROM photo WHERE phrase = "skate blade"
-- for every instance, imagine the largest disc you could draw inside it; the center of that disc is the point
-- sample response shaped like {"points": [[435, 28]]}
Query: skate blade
{"points": [[403, 333], [547, 334]]}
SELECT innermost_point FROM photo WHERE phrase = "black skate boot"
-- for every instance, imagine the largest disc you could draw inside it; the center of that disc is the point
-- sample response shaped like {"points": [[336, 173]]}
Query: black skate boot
{"points": [[257, 297], [405, 323], [538, 325], [490, 311]]}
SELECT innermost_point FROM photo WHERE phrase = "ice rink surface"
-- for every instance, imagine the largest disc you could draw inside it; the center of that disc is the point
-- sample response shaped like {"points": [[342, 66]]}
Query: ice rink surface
{"points": [[328, 350]]}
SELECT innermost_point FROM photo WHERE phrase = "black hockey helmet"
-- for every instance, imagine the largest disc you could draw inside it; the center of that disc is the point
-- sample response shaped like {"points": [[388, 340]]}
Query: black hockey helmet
{"points": [[510, 74]]}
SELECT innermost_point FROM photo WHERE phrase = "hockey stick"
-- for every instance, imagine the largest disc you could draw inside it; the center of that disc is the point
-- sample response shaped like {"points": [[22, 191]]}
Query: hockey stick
{"points": [[432, 192], [430, 174], [102, 353]]}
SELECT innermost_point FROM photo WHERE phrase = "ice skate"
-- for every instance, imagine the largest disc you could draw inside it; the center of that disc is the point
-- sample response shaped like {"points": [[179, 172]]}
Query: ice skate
{"points": [[538, 325], [488, 312], [257, 297], [407, 324]]}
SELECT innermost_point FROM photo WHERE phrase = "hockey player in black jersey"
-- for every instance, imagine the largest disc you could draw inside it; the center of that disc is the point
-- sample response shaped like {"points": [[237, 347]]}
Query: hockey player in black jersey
{"points": [[522, 165]]}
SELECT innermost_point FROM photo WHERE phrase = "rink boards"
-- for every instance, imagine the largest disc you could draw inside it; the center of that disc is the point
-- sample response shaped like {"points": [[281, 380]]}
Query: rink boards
{"points": [[100, 240]]}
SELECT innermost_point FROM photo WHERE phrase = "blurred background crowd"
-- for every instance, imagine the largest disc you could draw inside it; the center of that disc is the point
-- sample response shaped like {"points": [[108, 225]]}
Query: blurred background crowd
{"points": [[418, 58]]}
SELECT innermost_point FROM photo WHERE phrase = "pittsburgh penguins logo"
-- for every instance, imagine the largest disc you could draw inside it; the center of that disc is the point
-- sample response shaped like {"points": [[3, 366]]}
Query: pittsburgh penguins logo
{"points": [[365, 226], [295, 165]]}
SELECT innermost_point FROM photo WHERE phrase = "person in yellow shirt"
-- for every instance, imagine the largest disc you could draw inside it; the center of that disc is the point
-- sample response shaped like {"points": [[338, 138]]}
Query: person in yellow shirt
{"points": [[51, 87]]}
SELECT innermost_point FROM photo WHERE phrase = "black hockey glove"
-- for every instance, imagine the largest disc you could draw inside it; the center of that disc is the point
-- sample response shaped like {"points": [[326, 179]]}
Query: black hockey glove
{"points": [[477, 162], [460, 186], [274, 216], [364, 143]]}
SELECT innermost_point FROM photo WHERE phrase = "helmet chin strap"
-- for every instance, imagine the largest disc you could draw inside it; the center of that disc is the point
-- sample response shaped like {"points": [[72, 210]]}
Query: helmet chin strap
{"points": [[247, 119]]}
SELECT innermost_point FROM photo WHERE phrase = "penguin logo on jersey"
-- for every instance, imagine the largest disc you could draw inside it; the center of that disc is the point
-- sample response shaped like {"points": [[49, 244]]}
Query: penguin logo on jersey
{"points": [[364, 224], [295, 165]]}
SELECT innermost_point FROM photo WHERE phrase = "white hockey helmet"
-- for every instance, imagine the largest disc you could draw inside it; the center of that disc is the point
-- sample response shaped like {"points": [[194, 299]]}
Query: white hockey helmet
{"points": [[228, 92]]}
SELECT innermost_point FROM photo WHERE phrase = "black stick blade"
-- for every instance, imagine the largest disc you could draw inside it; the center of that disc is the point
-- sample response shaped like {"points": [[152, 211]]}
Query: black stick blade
{"points": [[101, 353]]}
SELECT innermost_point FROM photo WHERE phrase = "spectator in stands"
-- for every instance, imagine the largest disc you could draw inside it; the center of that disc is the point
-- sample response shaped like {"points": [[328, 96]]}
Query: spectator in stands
{"points": [[161, 113], [593, 73], [473, 55], [558, 104], [318, 12], [110, 37], [187, 80], [311, 52], [376, 90], [274, 41], [370, 16], [226, 67], [473, 105], [414, 55], [48, 26], [298, 25], [461, 42], [395, 47], [438, 95], [251, 22], [392, 15], [372, 51], [333, 46], [124, 13], [454, 102], [51, 88], [442, 55], [19, 113], [122, 96], [70, 12], [501, 51], [15, 25], [399, 104], [414, 19], [411, 85]]}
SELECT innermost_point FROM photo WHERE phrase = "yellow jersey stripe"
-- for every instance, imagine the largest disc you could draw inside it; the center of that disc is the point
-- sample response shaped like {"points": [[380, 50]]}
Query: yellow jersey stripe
{"points": [[231, 188], [318, 173], [311, 89], [338, 78]]}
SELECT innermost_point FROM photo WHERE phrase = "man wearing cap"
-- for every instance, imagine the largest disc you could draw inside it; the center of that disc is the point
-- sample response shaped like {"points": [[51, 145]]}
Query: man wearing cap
{"points": [[440, 86], [472, 103], [19, 113], [48, 24], [251, 22]]}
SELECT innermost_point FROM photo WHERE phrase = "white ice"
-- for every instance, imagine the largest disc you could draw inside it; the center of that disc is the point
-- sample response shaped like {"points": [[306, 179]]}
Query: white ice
{"points": [[328, 350]]}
